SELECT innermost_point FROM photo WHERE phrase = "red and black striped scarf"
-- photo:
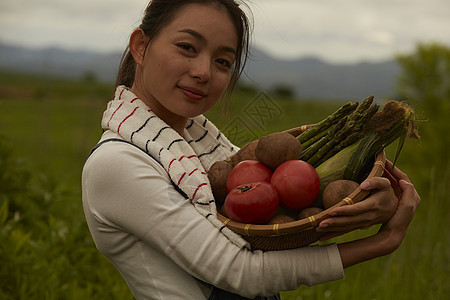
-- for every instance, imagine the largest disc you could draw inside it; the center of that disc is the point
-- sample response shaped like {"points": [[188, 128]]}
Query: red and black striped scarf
{"points": [[186, 160]]}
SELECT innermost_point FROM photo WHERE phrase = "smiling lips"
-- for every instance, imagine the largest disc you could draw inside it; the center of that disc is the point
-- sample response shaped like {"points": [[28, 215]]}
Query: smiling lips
{"points": [[192, 93]]}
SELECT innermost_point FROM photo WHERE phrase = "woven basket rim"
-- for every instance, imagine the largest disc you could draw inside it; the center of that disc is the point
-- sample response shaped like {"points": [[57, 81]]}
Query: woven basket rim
{"points": [[306, 223]]}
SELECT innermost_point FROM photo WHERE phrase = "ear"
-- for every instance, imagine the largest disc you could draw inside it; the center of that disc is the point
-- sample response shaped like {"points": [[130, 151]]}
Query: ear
{"points": [[138, 43]]}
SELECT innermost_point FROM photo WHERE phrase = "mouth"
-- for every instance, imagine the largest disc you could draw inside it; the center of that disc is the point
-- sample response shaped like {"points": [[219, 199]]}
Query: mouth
{"points": [[192, 93]]}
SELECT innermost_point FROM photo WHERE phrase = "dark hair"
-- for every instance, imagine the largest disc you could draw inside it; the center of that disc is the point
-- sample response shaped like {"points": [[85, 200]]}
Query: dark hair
{"points": [[159, 13]]}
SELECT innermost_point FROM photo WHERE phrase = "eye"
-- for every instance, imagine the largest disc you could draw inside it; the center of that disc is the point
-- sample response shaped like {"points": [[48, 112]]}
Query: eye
{"points": [[186, 47], [225, 63]]}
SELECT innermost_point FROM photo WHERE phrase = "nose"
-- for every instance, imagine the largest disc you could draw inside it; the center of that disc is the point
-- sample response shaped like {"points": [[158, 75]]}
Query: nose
{"points": [[201, 69]]}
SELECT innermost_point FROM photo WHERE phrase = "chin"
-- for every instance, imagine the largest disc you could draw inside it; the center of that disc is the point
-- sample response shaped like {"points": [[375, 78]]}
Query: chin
{"points": [[192, 115], [188, 111]]}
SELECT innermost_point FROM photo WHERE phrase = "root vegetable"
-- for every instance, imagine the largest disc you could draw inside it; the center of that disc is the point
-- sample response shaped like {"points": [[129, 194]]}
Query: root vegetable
{"points": [[247, 152], [336, 191], [218, 175], [277, 148], [280, 219], [308, 212]]}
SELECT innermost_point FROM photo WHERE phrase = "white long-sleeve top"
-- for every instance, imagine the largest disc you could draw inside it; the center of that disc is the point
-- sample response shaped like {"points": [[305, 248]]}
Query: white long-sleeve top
{"points": [[160, 243]]}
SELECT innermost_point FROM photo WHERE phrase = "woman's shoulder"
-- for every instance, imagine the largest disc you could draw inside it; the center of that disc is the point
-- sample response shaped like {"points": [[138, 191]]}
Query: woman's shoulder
{"points": [[113, 153]]}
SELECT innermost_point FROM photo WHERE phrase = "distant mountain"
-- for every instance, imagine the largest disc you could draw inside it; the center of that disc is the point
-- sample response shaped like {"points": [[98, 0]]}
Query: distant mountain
{"points": [[309, 77], [59, 62], [314, 78]]}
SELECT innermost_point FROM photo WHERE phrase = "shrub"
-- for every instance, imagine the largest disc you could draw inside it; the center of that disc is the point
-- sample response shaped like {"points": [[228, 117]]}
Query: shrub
{"points": [[45, 248]]}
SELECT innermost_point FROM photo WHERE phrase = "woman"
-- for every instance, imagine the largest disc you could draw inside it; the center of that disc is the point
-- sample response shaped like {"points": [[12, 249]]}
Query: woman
{"points": [[146, 195]]}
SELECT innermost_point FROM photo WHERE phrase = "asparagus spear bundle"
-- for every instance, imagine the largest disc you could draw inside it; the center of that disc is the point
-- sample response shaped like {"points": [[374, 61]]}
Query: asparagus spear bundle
{"points": [[343, 145], [344, 127]]}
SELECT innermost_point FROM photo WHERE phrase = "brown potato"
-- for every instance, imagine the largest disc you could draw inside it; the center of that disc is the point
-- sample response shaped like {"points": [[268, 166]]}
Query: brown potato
{"points": [[308, 212], [280, 219], [336, 191], [247, 152], [218, 175], [276, 148]]}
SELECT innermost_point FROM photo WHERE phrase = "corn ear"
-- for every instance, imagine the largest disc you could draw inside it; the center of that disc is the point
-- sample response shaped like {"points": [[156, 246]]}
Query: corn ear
{"points": [[397, 127], [334, 168], [394, 121]]}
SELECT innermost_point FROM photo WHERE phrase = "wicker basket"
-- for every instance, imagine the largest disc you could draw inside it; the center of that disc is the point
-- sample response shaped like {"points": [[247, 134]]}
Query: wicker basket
{"points": [[300, 232]]}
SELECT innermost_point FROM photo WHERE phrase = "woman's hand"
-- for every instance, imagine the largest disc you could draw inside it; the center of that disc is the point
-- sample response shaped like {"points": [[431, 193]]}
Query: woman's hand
{"points": [[376, 209], [409, 200], [392, 232]]}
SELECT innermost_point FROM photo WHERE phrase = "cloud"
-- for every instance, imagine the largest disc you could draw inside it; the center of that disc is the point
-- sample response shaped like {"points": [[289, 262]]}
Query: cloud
{"points": [[336, 30], [349, 30], [101, 25]]}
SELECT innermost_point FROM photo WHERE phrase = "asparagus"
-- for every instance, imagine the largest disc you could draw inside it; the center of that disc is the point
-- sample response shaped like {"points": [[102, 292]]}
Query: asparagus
{"points": [[326, 123], [312, 150], [314, 139], [352, 138], [360, 111], [322, 151], [355, 118], [356, 133], [366, 116], [354, 123]]}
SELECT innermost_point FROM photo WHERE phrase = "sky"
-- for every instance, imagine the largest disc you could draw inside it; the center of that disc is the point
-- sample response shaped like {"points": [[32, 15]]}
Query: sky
{"points": [[339, 31]]}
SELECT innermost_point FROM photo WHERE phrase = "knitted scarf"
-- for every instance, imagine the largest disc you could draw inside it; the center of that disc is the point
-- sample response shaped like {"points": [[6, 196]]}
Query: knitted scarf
{"points": [[186, 160]]}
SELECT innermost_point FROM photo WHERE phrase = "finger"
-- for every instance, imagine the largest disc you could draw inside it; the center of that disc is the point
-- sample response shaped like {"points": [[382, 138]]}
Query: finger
{"points": [[407, 206], [375, 183], [352, 210], [396, 172], [376, 209], [379, 206], [389, 176], [345, 223], [410, 195], [394, 183]]}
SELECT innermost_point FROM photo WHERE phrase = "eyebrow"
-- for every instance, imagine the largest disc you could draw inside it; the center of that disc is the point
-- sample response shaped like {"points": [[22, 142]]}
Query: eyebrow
{"points": [[200, 37]]}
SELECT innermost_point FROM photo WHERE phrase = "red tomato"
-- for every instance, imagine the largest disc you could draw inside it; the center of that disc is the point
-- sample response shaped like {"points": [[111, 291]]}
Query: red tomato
{"points": [[253, 203], [248, 171], [297, 183]]}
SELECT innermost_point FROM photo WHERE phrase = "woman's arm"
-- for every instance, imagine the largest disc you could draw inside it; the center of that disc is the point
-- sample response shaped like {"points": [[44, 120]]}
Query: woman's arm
{"points": [[127, 193], [391, 233]]}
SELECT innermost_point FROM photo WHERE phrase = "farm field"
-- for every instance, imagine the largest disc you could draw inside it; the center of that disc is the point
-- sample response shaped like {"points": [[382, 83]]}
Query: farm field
{"points": [[49, 125]]}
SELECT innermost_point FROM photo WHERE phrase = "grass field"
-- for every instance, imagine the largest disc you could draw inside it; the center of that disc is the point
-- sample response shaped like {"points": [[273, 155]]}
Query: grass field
{"points": [[49, 126]]}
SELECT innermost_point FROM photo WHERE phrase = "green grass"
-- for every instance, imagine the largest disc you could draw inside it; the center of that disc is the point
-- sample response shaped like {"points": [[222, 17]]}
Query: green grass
{"points": [[51, 124]]}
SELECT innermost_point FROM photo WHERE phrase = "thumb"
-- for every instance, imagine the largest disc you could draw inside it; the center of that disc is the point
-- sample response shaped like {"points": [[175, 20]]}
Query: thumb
{"points": [[375, 183]]}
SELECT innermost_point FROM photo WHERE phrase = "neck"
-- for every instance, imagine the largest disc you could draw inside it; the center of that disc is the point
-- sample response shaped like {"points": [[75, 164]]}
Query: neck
{"points": [[177, 123]]}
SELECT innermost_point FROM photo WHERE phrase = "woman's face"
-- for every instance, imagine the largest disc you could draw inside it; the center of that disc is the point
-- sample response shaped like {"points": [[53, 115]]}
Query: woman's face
{"points": [[187, 65]]}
